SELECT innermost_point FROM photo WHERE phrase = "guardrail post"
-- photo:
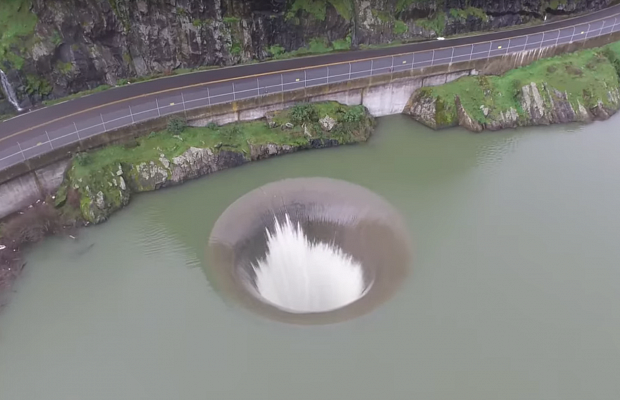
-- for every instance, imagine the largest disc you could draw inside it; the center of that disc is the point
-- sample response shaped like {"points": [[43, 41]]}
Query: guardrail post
{"points": [[392, 67], [103, 122], [208, 97], [234, 96], [282, 82], [433, 59], [21, 151], [305, 78], [349, 71], [557, 39], [131, 113], [372, 67], [77, 131], [328, 74], [183, 101], [452, 56], [585, 36], [49, 140], [471, 52], [412, 60], [572, 36], [258, 86], [157, 105]]}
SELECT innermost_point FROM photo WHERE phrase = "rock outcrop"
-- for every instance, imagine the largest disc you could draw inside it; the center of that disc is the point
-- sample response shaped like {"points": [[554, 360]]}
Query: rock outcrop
{"points": [[109, 187], [65, 46], [578, 87]]}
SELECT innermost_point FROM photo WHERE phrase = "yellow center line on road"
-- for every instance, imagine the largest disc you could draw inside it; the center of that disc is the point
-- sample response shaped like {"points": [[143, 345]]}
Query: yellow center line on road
{"points": [[279, 72]]}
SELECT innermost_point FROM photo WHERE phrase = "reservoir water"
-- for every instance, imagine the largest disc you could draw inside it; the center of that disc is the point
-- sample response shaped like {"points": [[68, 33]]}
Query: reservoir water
{"points": [[513, 290]]}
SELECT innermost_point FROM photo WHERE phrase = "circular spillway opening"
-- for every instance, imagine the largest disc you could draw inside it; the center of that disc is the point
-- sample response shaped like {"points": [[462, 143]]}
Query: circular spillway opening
{"points": [[309, 250]]}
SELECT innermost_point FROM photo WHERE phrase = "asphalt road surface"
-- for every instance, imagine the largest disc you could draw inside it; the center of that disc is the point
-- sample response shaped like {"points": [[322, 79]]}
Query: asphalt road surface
{"points": [[42, 130]]}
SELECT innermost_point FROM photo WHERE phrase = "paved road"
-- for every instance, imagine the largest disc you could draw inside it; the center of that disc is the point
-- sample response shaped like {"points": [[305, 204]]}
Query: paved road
{"points": [[42, 130]]}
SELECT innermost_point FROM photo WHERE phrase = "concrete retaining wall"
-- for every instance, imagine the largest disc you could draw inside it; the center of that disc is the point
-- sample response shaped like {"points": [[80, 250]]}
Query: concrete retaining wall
{"points": [[26, 182]]}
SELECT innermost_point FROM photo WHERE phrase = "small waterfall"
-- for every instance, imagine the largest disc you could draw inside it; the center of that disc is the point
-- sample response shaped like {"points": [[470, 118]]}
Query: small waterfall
{"points": [[8, 91], [301, 276]]}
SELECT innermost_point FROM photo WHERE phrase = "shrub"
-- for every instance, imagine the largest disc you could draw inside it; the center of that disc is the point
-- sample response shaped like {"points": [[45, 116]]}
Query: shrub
{"points": [[301, 113], [276, 50], [83, 159], [613, 59], [353, 114], [176, 125]]}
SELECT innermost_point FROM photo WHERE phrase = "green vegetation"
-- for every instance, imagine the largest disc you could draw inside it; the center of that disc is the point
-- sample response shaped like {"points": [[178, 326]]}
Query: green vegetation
{"points": [[176, 125], [316, 46], [231, 20], [554, 4], [114, 171], [64, 67], [402, 5], [467, 12], [344, 7], [612, 52], [318, 8], [37, 85], [17, 25], [56, 38], [436, 23], [236, 136], [276, 50], [342, 44], [585, 77], [400, 27], [235, 48]]}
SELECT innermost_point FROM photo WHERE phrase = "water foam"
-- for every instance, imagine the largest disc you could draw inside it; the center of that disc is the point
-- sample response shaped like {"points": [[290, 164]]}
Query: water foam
{"points": [[301, 276]]}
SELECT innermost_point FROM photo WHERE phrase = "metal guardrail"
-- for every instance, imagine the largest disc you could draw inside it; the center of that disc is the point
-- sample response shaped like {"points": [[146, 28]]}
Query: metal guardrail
{"points": [[216, 93]]}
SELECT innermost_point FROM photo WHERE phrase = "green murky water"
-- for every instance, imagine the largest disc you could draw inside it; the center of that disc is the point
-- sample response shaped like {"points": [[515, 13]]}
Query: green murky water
{"points": [[514, 291]]}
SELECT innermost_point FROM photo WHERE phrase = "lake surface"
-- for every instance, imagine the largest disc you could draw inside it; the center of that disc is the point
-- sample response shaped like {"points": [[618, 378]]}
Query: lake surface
{"points": [[513, 293]]}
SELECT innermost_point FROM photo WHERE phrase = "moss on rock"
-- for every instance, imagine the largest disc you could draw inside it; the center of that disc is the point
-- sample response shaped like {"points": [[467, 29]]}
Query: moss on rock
{"points": [[106, 178], [579, 86]]}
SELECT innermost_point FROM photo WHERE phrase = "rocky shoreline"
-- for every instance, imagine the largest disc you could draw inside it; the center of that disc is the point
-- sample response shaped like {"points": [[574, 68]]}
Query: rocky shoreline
{"points": [[103, 181], [578, 87]]}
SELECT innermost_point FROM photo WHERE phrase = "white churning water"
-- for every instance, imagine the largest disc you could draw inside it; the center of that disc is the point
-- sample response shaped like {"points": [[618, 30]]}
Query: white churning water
{"points": [[301, 276]]}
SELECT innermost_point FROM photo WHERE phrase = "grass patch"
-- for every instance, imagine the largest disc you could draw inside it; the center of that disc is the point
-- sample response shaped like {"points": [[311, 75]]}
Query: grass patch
{"points": [[585, 77], [17, 25], [178, 138]]}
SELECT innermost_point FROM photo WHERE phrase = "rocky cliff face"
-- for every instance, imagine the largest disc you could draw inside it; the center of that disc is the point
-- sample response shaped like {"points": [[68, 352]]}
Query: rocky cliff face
{"points": [[51, 48], [578, 87]]}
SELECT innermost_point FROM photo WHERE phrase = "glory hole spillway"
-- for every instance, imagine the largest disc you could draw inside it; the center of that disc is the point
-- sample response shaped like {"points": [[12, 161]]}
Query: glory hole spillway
{"points": [[509, 286]]}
